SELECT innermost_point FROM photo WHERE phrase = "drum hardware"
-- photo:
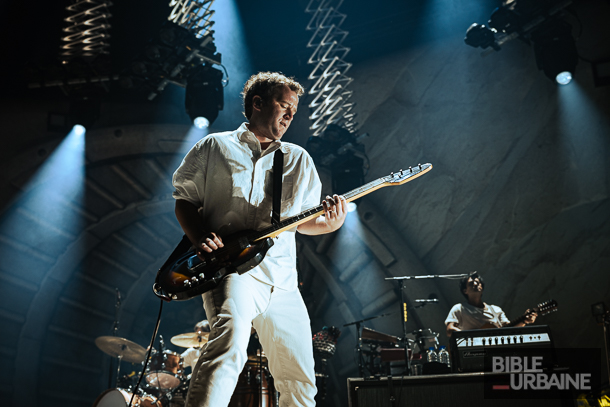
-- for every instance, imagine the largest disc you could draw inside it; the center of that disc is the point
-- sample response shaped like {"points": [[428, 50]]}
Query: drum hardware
{"points": [[259, 357], [255, 386], [425, 338], [122, 349], [191, 339]]}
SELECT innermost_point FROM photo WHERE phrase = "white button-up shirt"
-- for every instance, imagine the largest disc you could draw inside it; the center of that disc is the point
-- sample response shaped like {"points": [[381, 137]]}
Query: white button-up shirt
{"points": [[230, 179]]}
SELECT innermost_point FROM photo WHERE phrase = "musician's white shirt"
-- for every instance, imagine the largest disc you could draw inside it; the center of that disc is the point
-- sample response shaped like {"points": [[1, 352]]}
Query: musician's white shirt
{"points": [[228, 177], [470, 317]]}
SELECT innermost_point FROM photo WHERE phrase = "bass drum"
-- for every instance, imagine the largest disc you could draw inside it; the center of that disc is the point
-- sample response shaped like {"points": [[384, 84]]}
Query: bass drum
{"points": [[121, 397]]}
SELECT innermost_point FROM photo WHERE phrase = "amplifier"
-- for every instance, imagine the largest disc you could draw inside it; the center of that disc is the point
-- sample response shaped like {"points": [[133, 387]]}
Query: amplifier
{"points": [[455, 390], [469, 348]]}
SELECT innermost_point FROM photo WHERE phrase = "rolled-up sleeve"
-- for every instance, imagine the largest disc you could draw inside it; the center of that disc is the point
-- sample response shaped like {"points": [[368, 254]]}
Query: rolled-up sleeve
{"points": [[189, 178]]}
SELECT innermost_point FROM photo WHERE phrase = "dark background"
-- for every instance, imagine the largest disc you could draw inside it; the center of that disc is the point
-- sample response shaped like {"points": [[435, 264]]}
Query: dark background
{"points": [[519, 189]]}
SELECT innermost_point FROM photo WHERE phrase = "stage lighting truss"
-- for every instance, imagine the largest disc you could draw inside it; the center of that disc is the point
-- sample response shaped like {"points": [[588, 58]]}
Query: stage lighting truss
{"points": [[194, 15], [331, 98], [87, 33], [184, 43]]}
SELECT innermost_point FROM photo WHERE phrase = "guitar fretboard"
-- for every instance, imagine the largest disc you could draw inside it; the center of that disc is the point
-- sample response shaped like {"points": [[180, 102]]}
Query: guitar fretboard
{"points": [[349, 196]]}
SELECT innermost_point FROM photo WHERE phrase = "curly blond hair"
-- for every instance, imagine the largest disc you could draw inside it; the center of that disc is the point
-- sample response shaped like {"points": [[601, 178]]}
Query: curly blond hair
{"points": [[265, 84]]}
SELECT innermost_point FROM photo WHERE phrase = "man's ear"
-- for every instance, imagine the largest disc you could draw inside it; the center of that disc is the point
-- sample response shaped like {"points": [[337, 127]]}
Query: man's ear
{"points": [[257, 101]]}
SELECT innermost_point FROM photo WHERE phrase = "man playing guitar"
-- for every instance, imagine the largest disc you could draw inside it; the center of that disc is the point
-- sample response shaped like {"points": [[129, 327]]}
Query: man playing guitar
{"points": [[223, 186], [476, 314]]}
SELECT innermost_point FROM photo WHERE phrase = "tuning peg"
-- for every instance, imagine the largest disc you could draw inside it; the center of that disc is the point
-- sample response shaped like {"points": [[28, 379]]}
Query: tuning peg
{"points": [[419, 165], [410, 169]]}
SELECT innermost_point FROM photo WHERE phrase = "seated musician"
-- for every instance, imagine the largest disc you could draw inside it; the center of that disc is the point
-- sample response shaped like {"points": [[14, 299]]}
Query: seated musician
{"points": [[191, 355], [475, 314]]}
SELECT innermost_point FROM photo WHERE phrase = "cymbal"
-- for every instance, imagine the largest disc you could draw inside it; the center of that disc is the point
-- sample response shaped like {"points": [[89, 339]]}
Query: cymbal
{"points": [[191, 339], [114, 346]]}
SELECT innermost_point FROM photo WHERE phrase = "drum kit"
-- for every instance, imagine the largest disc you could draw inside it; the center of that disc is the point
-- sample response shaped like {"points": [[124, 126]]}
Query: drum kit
{"points": [[165, 383]]}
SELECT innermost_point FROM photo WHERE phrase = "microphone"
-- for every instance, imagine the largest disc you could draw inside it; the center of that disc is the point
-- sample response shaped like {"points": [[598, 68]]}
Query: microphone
{"points": [[118, 296], [426, 301]]}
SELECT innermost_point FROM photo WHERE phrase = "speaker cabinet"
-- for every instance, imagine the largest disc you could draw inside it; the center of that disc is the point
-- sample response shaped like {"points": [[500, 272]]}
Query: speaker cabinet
{"points": [[455, 390]]}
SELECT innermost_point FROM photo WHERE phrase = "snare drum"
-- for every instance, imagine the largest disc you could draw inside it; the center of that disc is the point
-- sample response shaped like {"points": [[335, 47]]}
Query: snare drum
{"points": [[164, 370], [121, 397]]}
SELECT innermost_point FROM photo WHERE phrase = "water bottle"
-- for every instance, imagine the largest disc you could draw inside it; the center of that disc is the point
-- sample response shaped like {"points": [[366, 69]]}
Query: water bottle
{"points": [[443, 356], [431, 355]]}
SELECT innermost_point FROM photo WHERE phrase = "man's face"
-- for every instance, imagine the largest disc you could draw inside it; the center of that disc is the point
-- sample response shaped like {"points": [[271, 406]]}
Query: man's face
{"points": [[277, 113], [473, 286]]}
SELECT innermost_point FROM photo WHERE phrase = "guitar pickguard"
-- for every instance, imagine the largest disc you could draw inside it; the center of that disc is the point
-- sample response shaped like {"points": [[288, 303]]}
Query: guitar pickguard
{"points": [[190, 276]]}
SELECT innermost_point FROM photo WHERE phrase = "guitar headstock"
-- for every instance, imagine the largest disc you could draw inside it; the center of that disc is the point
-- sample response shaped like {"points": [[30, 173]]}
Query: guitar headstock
{"points": [[546, 307], [402, 176]]}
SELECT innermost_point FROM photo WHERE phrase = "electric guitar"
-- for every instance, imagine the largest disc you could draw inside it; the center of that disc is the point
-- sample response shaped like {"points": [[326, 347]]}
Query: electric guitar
{"points": [[541, 309], [184, 275]]}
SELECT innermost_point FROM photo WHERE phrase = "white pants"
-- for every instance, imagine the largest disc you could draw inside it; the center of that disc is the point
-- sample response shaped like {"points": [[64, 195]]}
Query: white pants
{"points": [[282, 324]]}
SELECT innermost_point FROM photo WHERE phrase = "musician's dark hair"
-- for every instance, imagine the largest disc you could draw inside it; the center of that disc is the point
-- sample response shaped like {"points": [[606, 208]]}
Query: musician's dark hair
{"points": [[265, 84], [464, 282]]}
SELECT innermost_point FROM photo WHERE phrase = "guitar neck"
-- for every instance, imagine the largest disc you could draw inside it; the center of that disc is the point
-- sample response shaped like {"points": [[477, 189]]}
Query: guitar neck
{"points": [[398, 178], [309, 214], [541, 309]]}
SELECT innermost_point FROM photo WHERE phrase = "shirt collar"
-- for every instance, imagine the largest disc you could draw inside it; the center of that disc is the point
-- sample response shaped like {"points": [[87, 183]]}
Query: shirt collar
{"points": [[246, 136]]}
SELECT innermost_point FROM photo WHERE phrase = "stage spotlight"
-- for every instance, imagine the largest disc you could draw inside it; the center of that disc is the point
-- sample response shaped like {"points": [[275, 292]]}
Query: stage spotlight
{"points": [[478, 35], [504, 20], [201, 123], [352, 206], [563, 78], [78, 130], [204, 96], [555, 51]]}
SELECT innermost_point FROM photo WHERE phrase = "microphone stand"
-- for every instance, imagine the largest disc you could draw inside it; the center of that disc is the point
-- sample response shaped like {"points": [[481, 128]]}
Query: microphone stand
{"points": [[403, 306]]}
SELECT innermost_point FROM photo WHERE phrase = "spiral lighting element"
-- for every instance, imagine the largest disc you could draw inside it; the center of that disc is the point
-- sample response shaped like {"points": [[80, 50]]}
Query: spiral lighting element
{"points": [[194, 15], [87, 33], [331, 99]]}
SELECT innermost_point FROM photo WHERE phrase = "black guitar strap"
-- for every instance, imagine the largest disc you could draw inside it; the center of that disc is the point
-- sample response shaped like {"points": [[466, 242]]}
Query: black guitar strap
{"points": [[278, 169]]}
